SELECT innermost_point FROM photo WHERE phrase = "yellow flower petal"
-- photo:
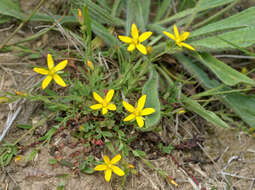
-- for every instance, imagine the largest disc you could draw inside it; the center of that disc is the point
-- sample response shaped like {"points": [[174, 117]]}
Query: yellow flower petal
{"points": [[140, 121], [176, 32], [106, 160], [188, 46], [141, 102], [128, 107], [97, 97], [46, 82], [111, 107], [116, 159], [104, 111], [169, 35], [144, 36], [131, 47], [50, 61], [117, 170], [126, 39], [109, 95], [147, 111], [134, 31], [129, 117], [96, 106], [141, 48], [184, 36], [108, 175], [61, 65], [59, 80], [100, 167], [41, 71]]}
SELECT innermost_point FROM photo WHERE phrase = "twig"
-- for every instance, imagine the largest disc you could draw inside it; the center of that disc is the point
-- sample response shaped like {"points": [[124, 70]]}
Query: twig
{"points": [[22, 24], [10, 119], [237, 176]]}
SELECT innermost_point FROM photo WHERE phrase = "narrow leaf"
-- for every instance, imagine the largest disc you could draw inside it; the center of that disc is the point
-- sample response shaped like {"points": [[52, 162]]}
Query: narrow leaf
{"points": [[152, 101], [225, 73]]}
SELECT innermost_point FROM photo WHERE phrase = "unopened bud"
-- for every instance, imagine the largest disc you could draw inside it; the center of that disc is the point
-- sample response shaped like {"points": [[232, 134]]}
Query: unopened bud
{"points": [[244, 70], [90, 65], [149, 49], [80, 17], [182, 111]]}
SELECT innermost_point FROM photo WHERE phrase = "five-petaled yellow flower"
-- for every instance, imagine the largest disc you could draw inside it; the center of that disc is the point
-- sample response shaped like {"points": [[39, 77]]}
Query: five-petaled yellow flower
{"points": [[136, 40], [179, 38], [138, 112], [52, 72], [104, 104], [109, 167]]}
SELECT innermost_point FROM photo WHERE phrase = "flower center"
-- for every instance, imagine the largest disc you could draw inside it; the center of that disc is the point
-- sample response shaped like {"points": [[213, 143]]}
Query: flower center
{"points": [[136, 41], [109, 166], [52, 72], [137, 112], [104, 104]]}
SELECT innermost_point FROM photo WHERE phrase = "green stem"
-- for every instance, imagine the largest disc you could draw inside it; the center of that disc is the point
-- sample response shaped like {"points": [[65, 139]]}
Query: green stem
{"points": [[193, 14]]}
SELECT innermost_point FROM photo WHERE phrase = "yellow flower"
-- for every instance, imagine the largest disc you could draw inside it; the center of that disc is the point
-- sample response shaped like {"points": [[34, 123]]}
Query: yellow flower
{"points": [[109, 167], [104, 104], [52, 72], [136, 40], [179, 38], [138, 112]]}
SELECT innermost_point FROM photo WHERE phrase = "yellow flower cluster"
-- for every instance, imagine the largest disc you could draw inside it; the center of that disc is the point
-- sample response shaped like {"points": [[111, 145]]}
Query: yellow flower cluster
{"points": [[136, 112], [136, 40]]}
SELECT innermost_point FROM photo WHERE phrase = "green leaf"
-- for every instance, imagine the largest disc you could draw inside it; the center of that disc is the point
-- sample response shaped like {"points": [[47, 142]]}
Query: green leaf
{"points": [[88, 170], [10, 8], [152, 100], [130, 18], [206, 4], [244, 37], [225, 73], [144, 5], [52, 161], [107, 134], [139, 153], [24, 126], [192, 105], [241, 104], [245, 18], [166, 4]]}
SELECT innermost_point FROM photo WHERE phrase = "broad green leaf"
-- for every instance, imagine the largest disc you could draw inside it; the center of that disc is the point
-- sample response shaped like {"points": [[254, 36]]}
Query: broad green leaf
{"points": [[206, 4], [245, 18], [152, 100], [244, 37], [225, 73], [192, 105], [241, 104], [10, 8]]}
